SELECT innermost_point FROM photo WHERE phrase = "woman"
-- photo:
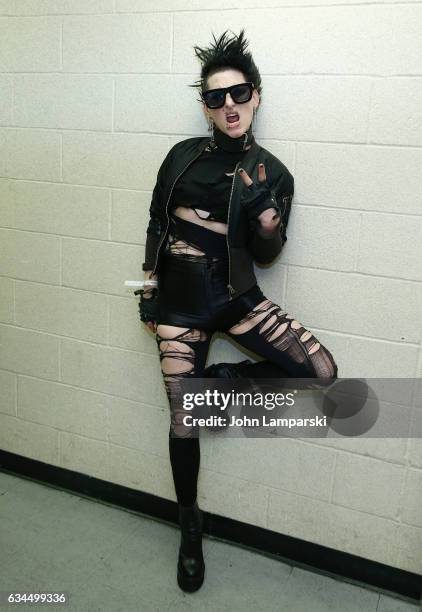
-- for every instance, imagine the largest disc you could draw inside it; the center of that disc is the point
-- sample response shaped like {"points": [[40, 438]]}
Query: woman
{"points": [[219, 203]]}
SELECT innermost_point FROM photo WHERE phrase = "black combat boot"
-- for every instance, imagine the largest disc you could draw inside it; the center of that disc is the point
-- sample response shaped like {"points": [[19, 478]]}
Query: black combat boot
{"points": [[226, 370], [190, 566]]}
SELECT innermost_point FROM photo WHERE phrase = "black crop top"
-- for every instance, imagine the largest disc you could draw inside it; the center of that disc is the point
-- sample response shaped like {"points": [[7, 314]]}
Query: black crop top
{"points": [[207, 183]]}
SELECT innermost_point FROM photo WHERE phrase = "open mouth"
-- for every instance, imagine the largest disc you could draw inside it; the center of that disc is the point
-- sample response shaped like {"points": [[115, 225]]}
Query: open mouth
{"points": [[233, 119]]}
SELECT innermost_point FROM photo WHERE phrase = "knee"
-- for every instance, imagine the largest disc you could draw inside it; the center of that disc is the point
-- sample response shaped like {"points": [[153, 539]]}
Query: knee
{"points": [[335, 374], [334, 368], [330, 375]]}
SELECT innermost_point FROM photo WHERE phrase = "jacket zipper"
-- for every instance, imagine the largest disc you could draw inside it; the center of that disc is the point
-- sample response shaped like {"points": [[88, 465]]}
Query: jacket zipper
{"points": [[167, 203], [231, 289], [229, 286]]}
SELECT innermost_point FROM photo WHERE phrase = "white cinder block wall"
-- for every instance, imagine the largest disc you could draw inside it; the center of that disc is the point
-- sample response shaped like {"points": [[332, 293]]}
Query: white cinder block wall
{"points": [[93, 94]]}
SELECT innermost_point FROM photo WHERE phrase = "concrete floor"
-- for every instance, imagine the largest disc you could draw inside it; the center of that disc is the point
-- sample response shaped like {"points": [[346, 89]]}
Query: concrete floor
{"points": [[108, 559]]}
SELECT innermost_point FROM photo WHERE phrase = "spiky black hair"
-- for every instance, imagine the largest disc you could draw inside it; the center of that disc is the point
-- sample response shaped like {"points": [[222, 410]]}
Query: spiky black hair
{"points": [[226, 53]]}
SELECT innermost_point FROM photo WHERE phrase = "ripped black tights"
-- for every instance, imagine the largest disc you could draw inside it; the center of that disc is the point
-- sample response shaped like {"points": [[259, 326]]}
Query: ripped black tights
{"points": [[287, 347], [290, 349]]}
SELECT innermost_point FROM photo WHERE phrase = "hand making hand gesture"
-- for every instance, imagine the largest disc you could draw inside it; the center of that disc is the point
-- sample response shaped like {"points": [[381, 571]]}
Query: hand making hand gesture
{"points": [[259, 197]]}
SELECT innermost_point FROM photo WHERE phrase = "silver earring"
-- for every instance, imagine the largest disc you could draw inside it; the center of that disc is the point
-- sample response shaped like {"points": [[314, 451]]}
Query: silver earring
{"points": [[211, 125], [254, 120]]}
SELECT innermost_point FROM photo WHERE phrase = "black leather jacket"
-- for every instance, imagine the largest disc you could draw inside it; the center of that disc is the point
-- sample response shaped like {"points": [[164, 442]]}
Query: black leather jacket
{"points": [[244, 243]]}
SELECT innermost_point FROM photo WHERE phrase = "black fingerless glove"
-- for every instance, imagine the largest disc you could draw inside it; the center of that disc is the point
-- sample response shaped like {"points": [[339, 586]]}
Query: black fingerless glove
{"points": [[257, 198], [148, 307]]}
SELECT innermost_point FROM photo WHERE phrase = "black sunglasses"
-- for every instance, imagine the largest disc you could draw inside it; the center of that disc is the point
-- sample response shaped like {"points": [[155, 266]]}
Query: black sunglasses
{"points": [[216, 98]]}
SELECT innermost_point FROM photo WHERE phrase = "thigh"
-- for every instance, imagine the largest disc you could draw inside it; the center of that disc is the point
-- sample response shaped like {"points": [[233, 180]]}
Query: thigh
{"points": [[183, 353], [276, 335]]}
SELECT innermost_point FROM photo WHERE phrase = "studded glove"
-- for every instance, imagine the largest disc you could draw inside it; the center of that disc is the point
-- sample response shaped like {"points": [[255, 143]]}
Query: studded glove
{"points": [[257, 198], [148, 307]]}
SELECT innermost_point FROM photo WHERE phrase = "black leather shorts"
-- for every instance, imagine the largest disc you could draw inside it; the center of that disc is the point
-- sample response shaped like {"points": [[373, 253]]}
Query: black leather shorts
{"points": [[194, 294]]}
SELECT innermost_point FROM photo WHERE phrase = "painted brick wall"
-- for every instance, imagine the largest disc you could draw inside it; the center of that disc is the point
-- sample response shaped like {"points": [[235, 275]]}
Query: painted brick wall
{"points": [[85, 121]]}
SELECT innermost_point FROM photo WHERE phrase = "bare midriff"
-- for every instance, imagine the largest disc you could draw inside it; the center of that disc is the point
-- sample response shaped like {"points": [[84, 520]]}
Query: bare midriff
{"points": [[198, 216]]}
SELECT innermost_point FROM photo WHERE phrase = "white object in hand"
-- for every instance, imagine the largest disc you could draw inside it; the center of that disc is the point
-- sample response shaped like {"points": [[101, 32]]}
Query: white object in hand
{"points": [[142, 283]]}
